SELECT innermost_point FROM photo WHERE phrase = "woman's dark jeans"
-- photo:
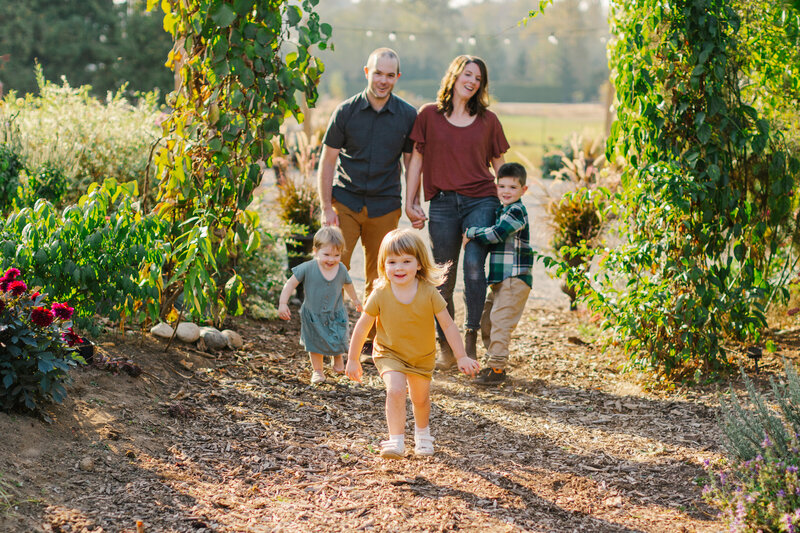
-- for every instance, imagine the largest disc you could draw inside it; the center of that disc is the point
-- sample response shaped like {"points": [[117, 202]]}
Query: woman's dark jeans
{"points": [[450, 214]]}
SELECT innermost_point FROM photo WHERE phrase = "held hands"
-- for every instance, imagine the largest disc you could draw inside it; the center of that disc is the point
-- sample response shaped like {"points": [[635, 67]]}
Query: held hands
{"points": [[283, 312], [353, 369], [464, 240], [468, 366], [359, 307], [416, 215]]}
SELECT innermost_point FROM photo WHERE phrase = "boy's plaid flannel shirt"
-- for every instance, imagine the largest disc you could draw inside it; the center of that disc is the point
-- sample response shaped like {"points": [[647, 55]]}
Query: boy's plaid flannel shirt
{"points": [[511, 252]]}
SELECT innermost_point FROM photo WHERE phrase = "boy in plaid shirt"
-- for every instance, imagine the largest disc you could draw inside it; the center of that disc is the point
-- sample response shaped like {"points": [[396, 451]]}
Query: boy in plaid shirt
{"points": [[511, 259]]}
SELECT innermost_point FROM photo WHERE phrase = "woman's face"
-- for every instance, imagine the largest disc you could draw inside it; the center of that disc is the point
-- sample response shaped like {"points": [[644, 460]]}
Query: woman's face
{"points": [[468, 82]]}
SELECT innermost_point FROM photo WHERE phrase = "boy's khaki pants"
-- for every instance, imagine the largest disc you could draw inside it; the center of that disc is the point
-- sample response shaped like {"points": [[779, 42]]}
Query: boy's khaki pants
{"points": [[501, 313]]}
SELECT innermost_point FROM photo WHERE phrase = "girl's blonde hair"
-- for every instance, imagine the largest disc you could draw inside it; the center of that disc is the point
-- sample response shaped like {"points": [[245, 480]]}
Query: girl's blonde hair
{"points": [[407, 242], [329, 236]]}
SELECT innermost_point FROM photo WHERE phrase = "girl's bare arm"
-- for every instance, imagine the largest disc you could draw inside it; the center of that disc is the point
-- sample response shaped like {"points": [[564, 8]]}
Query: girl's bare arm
{"points": [[360, 332], [283, 303], [351, 292], [465, 364]]}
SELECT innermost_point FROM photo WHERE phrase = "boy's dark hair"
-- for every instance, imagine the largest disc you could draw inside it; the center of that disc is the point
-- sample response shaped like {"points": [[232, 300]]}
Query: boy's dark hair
{"points": [[513, 170]]}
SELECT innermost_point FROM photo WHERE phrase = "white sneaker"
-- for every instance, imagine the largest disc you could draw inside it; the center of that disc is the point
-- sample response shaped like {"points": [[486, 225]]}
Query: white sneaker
{"points": [[317, 377], [391, 449], [423, 446]]}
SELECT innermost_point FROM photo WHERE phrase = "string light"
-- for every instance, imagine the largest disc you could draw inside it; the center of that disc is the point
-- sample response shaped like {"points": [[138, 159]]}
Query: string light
{"points": [[552, 39], [506, 41], [412, 37], [392, 36], [472, 40], [460, 40], [369, 33]]}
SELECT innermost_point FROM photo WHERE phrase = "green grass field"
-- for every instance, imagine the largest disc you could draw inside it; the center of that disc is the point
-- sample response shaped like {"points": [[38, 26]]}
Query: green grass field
{"points": [[531, 136]]}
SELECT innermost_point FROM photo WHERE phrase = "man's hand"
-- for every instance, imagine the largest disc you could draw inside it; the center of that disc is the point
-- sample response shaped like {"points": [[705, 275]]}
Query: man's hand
{"points": [[329, 217]]}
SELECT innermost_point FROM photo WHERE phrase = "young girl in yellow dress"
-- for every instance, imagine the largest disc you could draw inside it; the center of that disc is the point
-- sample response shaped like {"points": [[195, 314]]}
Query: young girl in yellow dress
{"points": [[405, 303]]}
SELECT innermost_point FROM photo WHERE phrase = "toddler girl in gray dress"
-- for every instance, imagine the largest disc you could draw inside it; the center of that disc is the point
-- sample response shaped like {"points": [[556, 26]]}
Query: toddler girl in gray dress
{"points": [[324, 329]]}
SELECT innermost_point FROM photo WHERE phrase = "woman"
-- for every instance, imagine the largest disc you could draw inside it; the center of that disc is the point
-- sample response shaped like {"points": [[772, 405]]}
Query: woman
{"points": [[456, 140]]}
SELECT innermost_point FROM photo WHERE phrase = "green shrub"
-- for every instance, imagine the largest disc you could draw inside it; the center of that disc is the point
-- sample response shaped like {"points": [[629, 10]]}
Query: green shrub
{"points": [[102, 253], [36, 346], [87, 139], [10, 169], [263, 273], [48, 183]]}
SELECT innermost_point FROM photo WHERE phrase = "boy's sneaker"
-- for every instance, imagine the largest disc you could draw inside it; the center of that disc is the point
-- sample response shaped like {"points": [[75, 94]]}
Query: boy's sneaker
{"points": [[490, 376], [423, 446], [391, 449]]}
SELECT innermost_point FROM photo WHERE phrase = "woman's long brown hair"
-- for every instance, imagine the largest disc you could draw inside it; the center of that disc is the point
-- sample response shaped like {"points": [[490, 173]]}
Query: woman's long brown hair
{"points": [[479, 101]]}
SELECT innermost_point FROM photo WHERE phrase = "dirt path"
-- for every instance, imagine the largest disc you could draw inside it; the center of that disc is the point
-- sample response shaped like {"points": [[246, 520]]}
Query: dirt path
{"points": [[242, 443]]}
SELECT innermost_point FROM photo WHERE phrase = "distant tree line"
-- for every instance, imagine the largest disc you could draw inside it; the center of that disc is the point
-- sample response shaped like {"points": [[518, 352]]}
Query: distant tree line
{"points": [[96, 42], [560, 57]]}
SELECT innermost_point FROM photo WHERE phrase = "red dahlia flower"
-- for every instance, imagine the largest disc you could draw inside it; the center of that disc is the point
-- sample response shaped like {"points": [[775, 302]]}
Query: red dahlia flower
{"points": [[17, 287], [4, 283], [62, 311], [35, 295], [42, 316], [11, 274], [71, 338]]}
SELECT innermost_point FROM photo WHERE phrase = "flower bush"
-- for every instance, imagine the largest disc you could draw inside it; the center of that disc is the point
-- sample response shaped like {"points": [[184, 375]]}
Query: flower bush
{"points": [[761, 494], [37, 345]]}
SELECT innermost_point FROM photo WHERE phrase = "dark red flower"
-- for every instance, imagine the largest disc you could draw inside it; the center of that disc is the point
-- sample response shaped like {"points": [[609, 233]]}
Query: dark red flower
{"points": [[17, 287], [4, 283], [62, 311], [11, 274], [71, 338], [35, 295], [42, 316]]}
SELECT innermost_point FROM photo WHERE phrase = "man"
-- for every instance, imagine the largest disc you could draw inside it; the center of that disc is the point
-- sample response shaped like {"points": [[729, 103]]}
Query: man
{"points": [[359, 171]]}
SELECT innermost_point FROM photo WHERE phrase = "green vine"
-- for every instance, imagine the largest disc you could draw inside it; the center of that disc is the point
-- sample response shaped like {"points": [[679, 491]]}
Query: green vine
{"points": [[239, 81], [707, 194]]}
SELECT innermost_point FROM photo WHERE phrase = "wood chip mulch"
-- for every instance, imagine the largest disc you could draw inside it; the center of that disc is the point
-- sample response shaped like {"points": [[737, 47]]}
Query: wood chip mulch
{"points": [[236, 442]]}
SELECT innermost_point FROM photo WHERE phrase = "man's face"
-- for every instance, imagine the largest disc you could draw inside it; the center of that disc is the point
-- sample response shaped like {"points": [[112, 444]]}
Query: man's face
{"points": [[381, 77]]}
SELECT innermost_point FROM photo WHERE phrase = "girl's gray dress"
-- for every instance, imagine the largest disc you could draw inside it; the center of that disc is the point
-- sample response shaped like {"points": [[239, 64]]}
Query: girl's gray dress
{"points": [[323, 318]]}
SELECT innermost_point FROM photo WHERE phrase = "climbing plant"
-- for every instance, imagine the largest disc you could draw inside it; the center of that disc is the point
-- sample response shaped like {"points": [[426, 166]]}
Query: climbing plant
{"points": [[709, 233], [243, 66]]}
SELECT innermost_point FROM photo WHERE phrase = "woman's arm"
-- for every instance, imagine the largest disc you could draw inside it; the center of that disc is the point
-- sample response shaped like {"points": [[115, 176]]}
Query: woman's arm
{"points": [[413, 178], [283, 303], [360, 332], [498, 162]]}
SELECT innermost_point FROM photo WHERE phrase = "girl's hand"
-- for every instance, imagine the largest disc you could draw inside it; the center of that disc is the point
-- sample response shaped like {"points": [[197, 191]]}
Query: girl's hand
{"points": [[468, 366], [283, 312], [353, 369]]}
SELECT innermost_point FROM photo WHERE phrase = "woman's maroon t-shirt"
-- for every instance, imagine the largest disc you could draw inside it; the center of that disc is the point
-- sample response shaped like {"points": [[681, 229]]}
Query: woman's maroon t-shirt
{"points": [[457, 158]]}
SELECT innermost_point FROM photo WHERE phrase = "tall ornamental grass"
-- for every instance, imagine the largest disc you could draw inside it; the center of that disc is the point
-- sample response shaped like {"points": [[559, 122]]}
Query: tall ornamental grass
{"points": [[88, 139]]}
